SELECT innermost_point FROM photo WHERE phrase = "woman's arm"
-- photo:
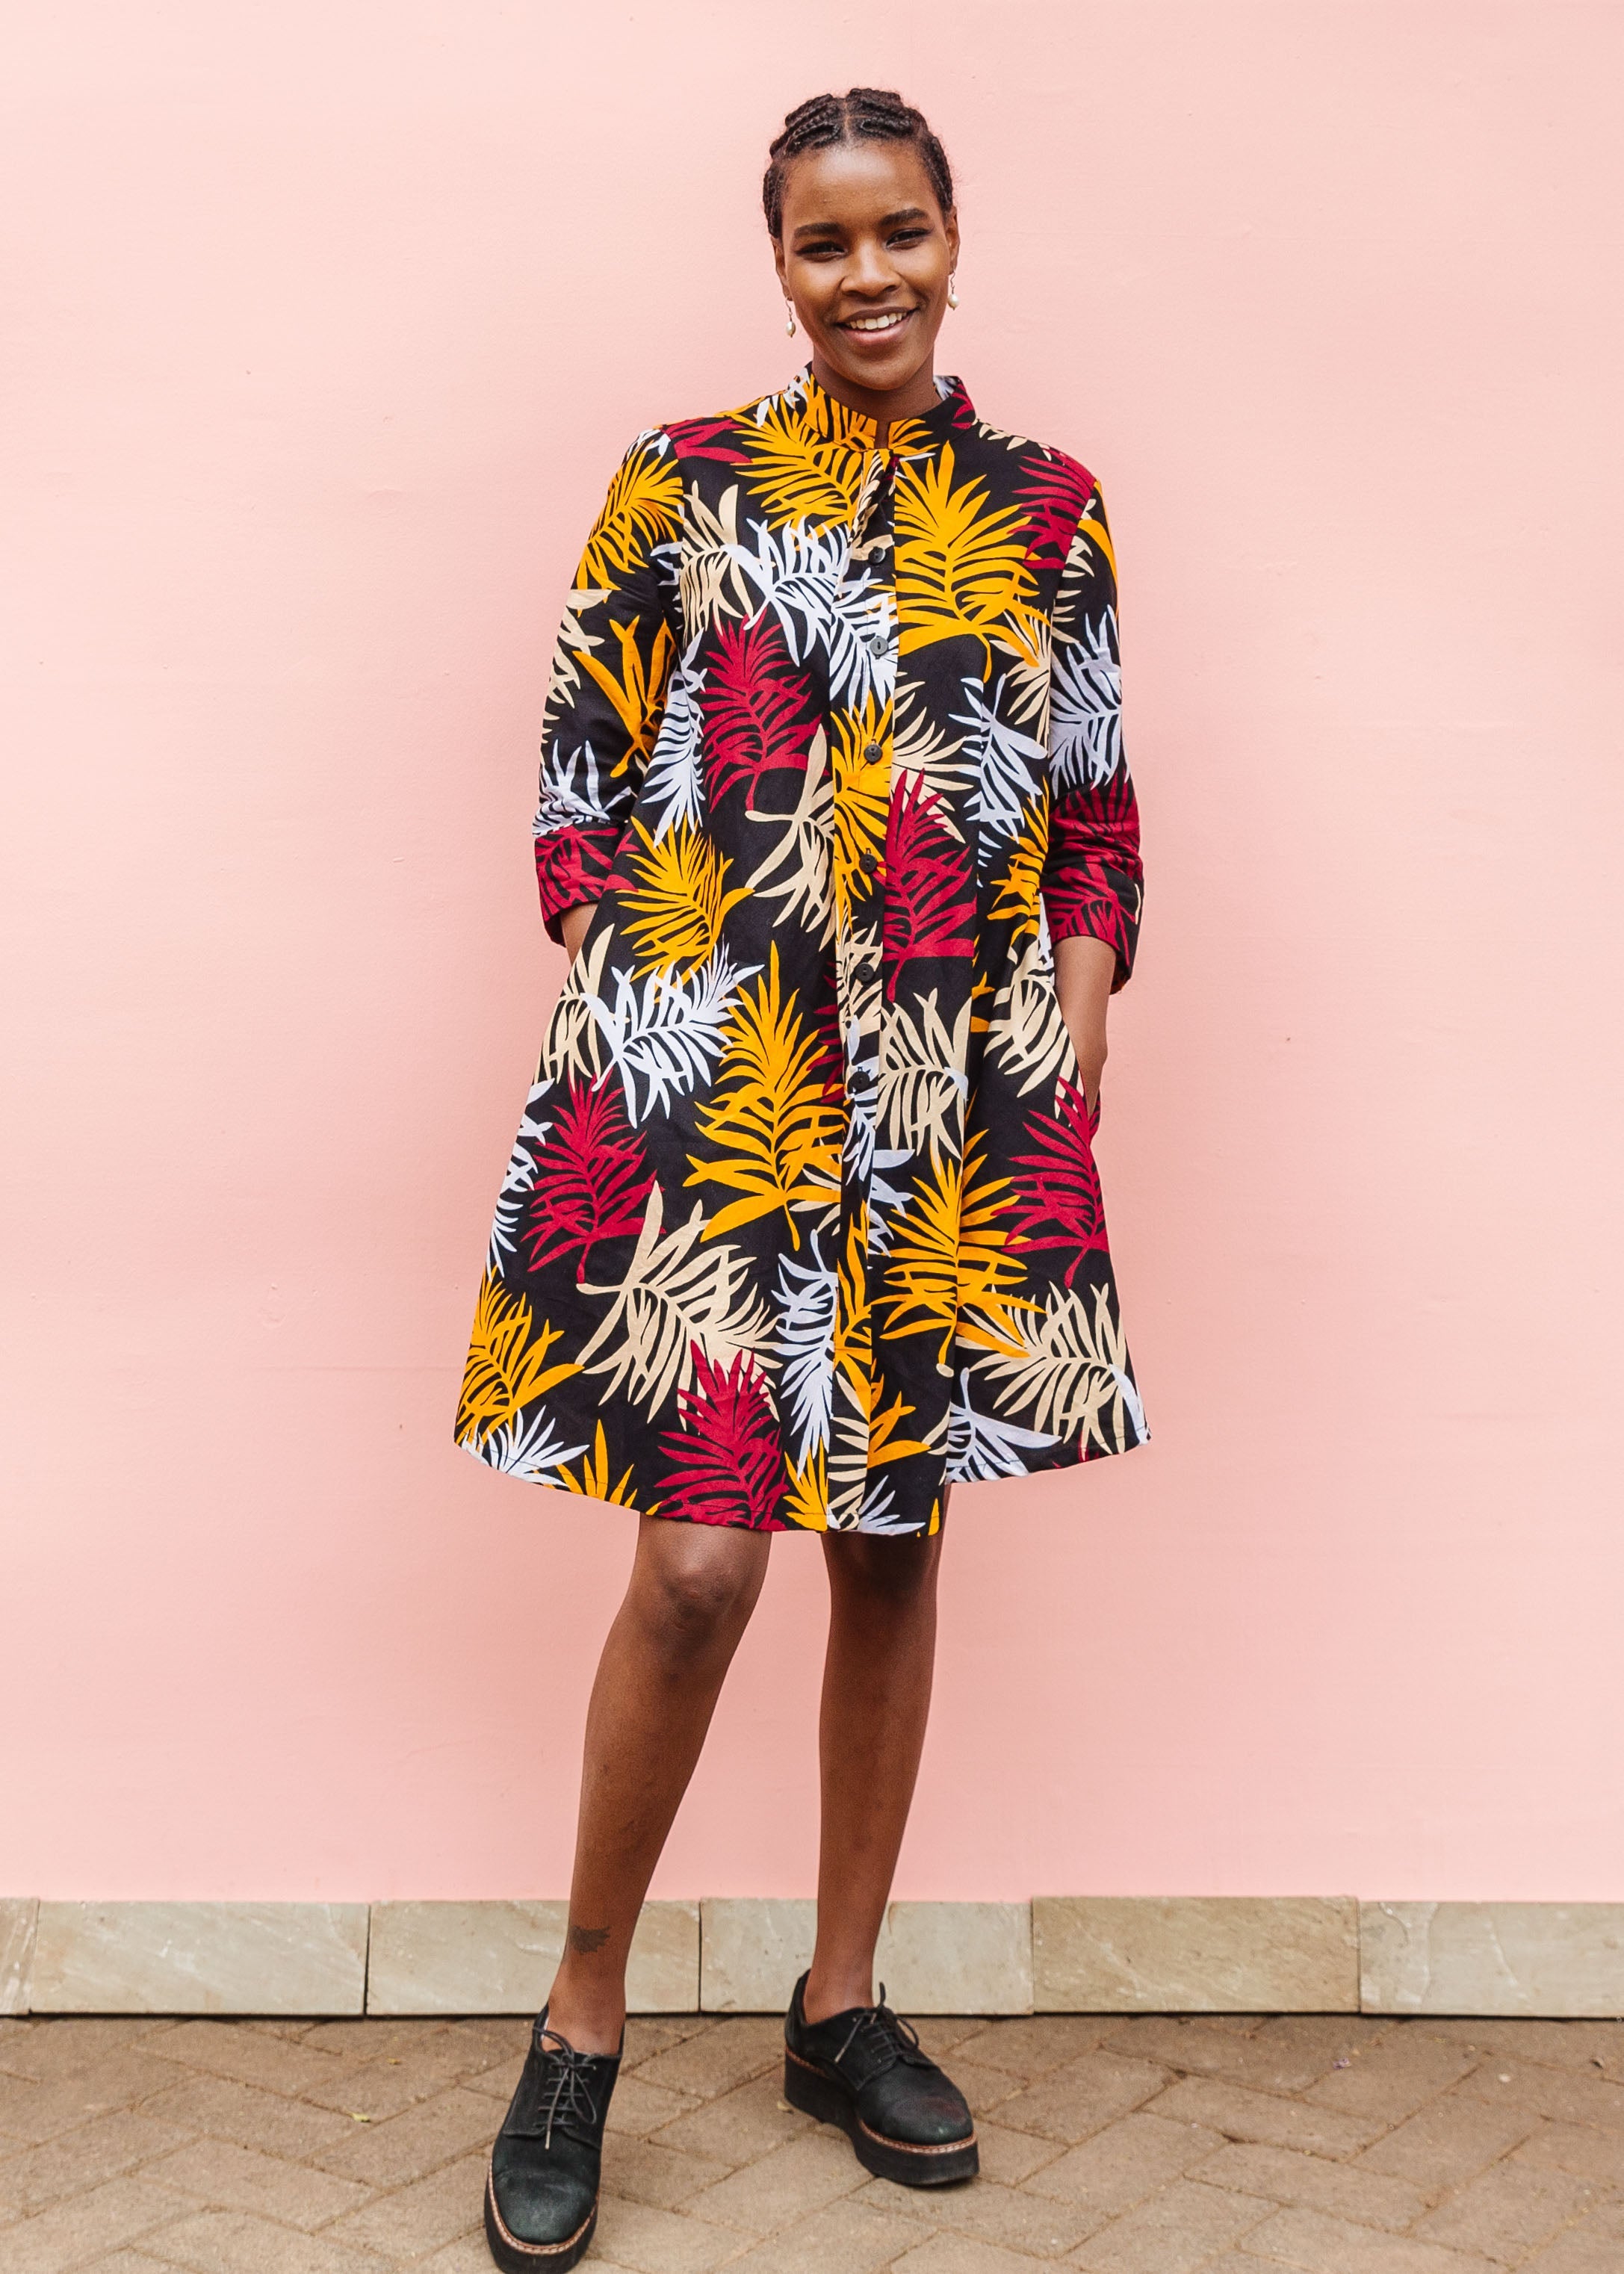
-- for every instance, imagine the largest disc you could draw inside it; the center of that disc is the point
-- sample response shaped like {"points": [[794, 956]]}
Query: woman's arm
{"points": [[1085, 968]]}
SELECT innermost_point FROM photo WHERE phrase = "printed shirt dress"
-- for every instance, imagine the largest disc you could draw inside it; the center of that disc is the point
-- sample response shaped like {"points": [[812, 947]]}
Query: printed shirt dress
{"points": [[802, 1219]]}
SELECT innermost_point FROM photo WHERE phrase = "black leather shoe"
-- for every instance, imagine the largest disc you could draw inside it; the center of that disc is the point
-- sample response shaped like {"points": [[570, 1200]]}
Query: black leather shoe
{"points": [[864, 2070], [541, 2189]]}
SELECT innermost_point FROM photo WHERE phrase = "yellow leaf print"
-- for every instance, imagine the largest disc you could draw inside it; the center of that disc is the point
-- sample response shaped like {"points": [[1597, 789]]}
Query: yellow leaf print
{"points": [[854, 1322], [594, 1478], [949, 1249], [1021, 884], [862, 795], [643, 509], [675, 908], [883, 1443], [507, 1362], [639, 694], [960, 565], [797, 472], [782, 1136], [807, 1502]]}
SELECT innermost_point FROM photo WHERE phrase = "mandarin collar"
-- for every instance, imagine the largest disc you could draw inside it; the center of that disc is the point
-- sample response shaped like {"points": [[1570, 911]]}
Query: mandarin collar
{"points": [[908, 436]]}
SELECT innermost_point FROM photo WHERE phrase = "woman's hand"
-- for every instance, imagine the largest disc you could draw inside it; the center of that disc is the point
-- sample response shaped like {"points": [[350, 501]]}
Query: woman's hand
{"points": [[573, 924], [1084, 970]]}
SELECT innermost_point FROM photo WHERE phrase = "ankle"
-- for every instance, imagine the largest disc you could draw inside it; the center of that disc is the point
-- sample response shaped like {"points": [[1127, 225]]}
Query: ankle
{"points": [[590, 2016], [836, 1991]]}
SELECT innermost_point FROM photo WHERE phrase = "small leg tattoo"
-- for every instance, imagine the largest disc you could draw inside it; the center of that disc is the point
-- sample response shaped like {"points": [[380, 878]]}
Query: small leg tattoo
{"points": [[586, 1939]]}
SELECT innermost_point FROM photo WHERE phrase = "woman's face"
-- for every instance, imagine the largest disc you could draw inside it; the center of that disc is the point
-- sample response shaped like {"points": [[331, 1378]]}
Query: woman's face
{"points": [[865, 255]]}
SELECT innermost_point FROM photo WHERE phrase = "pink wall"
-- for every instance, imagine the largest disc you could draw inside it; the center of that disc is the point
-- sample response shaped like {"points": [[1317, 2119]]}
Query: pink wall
{"points": [[326, 325]]}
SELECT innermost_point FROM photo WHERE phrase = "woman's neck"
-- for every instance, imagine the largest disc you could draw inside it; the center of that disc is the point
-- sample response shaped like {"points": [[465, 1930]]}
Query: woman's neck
{"points": [[917, 395]]}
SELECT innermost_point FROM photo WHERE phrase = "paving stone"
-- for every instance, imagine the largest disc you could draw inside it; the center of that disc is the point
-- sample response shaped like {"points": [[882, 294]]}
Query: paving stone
{"points": [[383, 2088], [126, 2078], [747, 2122], [1562, 2045], [637, 2109], [1584, 2150], [237, 2243], [66, 2044], [984, 2088], [1036, 2043], [843, 2238], [1009, 2217], [225, 2109], [74, 2161], [1109, 2173], [1344, 2190], [434, 2132], [1083, 2097], [941, 2033], [1460, 1958], [421, 2217], [649, 2241], [664, 2177], [787, 2183], [720, 2058], [1567, 2095], [1308, 2239], [648, 2034], [1242, 2115], [1448, 2143], [199, 1958], [100, 2219], [279, 2064], [1596, 2245], [1094, 1954], [1270, 2061], [1011, 2157], [1508, 2210], [1394, 2077], [960, 2253], [1176, 2230], [232, 2178]]}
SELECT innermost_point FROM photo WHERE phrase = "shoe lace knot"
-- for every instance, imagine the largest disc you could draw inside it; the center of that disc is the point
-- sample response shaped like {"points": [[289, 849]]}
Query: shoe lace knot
{"points": [[882, 2038], [561, 2093]]}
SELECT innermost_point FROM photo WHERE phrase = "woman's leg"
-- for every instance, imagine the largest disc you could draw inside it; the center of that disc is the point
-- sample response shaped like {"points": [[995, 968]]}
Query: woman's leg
{"points": [[876, 1700], [692, 1590]]}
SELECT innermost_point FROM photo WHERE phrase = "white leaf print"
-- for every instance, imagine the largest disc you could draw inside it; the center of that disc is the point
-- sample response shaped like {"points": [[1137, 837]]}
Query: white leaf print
{"points": [[863, 1159], [573, 1046], [672, 1298], [981, 1447], [1007, 770], [922, 1086], [673, 787], [1069, 1366], [1027, 1034], [1084, 722], [529, 1447], [803, 575], [805, 1295], [804, 847], [710, 584], [517, 1177], [572, 796], [667, 1036]]}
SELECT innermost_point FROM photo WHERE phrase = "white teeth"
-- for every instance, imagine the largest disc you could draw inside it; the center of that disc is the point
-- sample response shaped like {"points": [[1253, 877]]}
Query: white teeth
{"points": [[876, 323]]}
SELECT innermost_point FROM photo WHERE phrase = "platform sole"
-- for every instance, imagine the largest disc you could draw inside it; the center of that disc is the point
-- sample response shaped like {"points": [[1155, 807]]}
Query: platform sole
{"points": [[515, 2257], [808, 2089]]}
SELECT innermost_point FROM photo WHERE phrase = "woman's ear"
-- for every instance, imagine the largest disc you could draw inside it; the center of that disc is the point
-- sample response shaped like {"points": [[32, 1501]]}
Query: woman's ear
{"points": [[778, 262], [952, 238]]}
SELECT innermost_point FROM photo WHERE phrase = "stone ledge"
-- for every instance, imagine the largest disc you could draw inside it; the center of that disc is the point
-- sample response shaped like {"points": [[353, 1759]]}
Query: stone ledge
{"points": [[1067, 1954]]}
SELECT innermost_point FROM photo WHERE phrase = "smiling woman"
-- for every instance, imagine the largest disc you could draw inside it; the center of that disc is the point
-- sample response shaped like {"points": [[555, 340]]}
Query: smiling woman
{"points": [[802, 1224]]}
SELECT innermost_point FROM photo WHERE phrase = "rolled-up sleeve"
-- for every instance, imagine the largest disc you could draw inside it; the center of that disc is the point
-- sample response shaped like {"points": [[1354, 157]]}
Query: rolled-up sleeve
{"points": [[611, 667], [1093, 876]]}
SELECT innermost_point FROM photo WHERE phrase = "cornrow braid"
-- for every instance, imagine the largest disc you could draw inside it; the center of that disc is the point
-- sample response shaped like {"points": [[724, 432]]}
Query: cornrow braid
{"points": [[863, 114]]}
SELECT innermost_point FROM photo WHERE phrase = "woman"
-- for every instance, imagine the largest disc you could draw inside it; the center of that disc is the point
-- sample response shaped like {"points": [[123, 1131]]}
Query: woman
{"points": [[802, 1221]]}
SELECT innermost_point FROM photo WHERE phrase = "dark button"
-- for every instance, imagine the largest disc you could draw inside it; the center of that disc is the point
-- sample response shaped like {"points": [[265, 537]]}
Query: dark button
{"points": [[872, 750]]}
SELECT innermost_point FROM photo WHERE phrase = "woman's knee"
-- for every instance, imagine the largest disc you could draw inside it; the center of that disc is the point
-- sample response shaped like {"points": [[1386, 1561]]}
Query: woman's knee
{"points": [[892, 1568], [696, 1584]]}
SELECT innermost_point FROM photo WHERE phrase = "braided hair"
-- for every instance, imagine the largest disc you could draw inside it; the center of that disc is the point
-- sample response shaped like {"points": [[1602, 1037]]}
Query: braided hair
{"points": [[865, 114]]}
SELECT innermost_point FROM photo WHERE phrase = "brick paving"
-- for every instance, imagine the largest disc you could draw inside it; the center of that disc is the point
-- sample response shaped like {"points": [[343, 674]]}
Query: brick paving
{"points": [[1143, 2144]]}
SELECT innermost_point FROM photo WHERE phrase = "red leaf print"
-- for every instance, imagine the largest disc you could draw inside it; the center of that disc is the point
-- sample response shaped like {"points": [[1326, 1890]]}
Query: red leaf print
{"points": [[929, 891], [754, 702], [726, 1466], [1053, 498], [590, 1181], [702, 438], [1061, 1186]]}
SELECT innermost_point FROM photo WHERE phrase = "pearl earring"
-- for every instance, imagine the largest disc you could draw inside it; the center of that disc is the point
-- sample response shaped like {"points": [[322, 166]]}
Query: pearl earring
{"points": [[952, 297], [790, 316]]}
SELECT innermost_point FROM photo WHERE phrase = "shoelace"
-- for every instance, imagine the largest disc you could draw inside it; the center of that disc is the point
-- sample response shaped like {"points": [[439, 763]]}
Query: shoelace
{"points": [[570, 2095], [887, 2038]]}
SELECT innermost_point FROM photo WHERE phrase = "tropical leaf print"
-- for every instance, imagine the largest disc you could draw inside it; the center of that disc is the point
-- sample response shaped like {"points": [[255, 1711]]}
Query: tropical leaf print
{"points": [[756, 719], [723, 1464], [642, 510], [961, 565], [1060, 1204], [675, 908], [672, 1301], [777, 1135], [802, 1218], [1066, 1364], [508, 1364], [929, 888], [590, 1181]]}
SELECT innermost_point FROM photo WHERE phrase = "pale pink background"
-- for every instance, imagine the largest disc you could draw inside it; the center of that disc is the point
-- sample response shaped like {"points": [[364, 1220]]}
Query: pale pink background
{"points": [[326, 325]]}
